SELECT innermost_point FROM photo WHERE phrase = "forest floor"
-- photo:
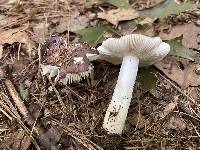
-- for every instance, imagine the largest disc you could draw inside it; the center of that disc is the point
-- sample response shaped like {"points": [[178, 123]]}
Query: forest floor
{"points": [[37, 113]]}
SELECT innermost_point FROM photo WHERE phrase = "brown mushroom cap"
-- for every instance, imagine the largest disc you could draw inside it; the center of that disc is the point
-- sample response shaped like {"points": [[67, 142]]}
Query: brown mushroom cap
{"points": [[70, 61]]}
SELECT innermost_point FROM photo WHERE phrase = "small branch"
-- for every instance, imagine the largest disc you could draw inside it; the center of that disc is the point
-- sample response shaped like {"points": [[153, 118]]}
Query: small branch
{"points": [[6, 114], [20, 105], [6, 103], [59, 97]]}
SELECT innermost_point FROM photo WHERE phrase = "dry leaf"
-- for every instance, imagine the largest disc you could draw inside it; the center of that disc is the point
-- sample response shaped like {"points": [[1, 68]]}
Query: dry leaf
{"points": [[74, 23], [142, 4], [40, 33], [168, 109], [114, 16], [155, 2], [19, 141], [146, 27], [138, 120], [6, 21], [180, 71], [7, 3], [194, 92], [16, 57], [146, 21], [66, 2], [190, 34], [175, 123], [17, 35]]}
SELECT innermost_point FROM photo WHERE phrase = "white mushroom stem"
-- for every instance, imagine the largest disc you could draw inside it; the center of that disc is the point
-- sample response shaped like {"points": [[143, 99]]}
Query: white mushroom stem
{"points": [[116, 113]]}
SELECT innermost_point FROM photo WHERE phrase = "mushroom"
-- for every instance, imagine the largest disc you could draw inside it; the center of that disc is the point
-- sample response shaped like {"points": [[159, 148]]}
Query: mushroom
{"points": [[130, 50], [68, 63]]}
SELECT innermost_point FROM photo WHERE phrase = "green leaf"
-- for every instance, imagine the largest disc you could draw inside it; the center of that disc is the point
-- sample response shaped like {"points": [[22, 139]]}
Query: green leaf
{"points": [[167, 8], [147, 77], [177, 49], [23, 92], [93, 35], [118, 3]]}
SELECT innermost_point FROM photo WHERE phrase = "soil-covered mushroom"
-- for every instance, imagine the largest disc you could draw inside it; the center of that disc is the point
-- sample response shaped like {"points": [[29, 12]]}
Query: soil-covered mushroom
{"points": [[68, 63], [130, 50]]}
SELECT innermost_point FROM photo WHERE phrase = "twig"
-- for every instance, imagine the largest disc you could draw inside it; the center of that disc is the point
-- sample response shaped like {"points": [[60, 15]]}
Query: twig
{"points": [[20, 105], [39, 55], [77, 95], [59, 97], [139, 115], [195, 129], [6, 103], [6, 114], [18, 51]]}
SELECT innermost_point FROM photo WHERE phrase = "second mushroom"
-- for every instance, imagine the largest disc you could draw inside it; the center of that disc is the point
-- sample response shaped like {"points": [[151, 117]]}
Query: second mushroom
{"points": [[130, 50], [67, 63]]}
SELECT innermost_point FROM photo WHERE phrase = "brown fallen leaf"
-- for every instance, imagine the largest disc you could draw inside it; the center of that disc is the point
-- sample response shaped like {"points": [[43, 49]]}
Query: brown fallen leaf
{"points": [[155, 2], [73, 23], [40, 33], [114, 16], [17, 35], [138, 120], [180, 71], [146, 27], [15, 62], [66, 2], [19, 141], [146, 21], [168, 109], [175, 122], [7, 20], [194, 92], [15, 57], [142, 4], [8, 3], [190, 34]]}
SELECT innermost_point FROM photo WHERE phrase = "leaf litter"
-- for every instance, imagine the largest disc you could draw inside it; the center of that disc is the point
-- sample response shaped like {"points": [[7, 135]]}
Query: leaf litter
{"points": [[74, 22], [116, 15], [180, 71], [190, 33], [157, 107], [12, 35]]}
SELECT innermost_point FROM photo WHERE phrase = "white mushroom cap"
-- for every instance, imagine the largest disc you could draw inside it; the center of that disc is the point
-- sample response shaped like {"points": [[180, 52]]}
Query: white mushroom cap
{"points": [[147, 49]]}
